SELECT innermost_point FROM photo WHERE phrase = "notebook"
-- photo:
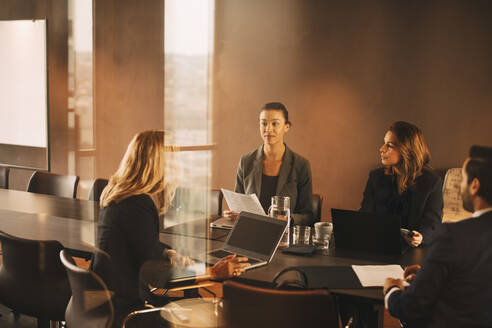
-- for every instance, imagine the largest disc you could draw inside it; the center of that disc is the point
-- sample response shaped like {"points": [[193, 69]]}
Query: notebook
{"points": [[368, 232]]}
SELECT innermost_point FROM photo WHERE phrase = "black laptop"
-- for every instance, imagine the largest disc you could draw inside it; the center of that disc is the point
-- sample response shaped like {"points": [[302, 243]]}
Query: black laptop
{"points": [[368, 232]]}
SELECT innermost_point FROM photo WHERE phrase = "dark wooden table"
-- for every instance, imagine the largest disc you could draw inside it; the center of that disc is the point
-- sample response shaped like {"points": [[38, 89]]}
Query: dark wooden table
{"points": [[197, 246], [27, 202], [70, 221]]}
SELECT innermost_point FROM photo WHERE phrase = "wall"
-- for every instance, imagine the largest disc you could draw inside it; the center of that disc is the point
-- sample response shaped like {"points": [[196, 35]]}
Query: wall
{"points": [[128, 75], [346, 71]]}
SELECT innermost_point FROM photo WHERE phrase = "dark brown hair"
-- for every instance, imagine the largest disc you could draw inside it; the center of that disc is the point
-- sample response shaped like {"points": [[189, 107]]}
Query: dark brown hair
{"points": [[278, 106], [415, 155], [480, 167]]}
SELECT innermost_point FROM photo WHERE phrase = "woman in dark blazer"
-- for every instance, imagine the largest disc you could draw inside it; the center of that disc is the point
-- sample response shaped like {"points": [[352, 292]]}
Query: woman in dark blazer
{"points": [[274, 169], [128, 228], [406, 185]]}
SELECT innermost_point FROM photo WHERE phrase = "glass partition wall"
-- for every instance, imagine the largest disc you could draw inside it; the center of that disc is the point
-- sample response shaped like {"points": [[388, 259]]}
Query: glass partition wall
{"points": [[188, 50]]}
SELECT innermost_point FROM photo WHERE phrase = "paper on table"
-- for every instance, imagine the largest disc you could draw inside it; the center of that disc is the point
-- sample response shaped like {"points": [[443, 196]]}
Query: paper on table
{"points": [[375, 275], [240, 202]]}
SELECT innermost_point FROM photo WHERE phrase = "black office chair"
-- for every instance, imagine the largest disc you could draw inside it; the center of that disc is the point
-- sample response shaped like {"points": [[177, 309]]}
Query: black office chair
{"points": [[253, 306], [4, 177], [90, 305], [215, 202], [32, 279], [97, 189], [317, 207], [53, 184]]}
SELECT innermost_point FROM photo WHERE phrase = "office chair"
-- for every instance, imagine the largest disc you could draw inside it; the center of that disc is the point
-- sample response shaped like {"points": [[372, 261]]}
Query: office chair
{"points": [[215, 202], [4, 177], [253, 306], [453, 206], [32, 279], [53, 184], [317, 207], [90, 305], [97, 189]]}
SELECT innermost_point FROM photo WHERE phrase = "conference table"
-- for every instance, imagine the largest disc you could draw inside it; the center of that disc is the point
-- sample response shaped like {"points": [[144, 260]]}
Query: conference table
{"points": [[192, 242], [73, 222]]}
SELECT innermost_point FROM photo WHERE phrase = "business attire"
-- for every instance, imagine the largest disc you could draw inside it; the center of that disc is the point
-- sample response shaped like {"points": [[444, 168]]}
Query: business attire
{"points": [[420, 206], [294, 180], [453, 288], [128, 231]]}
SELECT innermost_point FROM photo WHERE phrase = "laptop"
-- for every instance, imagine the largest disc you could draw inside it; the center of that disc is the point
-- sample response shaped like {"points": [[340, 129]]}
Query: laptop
{"points": [[368, 232], [253, 236], [222, 223]]}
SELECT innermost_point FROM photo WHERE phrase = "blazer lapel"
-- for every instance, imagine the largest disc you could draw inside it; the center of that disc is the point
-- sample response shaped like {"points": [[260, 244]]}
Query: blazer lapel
{"points": [[257, 171], [285, 169]]}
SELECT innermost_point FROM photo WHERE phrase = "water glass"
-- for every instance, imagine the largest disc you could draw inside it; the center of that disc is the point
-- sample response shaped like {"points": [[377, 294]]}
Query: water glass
{"points": [[280, 209], [301, 235], [322, 234]]}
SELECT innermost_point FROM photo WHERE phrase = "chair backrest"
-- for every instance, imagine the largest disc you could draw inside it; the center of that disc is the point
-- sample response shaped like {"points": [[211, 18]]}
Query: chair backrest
{"points": [[215, 202], [4, 177], [453, 207], [90, 305], [251, 306], [317, 207], [32, 279], [97, 189], [53, 184]]}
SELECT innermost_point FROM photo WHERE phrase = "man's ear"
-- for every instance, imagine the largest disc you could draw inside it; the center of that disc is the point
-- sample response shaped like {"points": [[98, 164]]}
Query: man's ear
{"points": [[474, 187]]}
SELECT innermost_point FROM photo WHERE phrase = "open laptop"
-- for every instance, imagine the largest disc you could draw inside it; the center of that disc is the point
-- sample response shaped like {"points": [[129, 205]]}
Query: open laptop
{"points": [[253, 236], [368, 232]]}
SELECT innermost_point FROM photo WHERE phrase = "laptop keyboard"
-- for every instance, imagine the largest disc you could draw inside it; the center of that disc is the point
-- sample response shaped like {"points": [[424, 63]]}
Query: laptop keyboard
{"points": [[222, 253]]}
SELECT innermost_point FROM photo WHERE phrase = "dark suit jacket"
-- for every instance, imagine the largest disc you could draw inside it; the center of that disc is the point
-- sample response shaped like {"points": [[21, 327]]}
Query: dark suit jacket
{"points": [[454, 286], [294, 181], [426, 203], [128, 232]]}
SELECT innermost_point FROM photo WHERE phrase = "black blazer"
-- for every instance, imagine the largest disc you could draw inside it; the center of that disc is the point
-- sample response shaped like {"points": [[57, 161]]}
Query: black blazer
{"points": [[294, 180], [454, 286], [128, 232], [425, 201]]}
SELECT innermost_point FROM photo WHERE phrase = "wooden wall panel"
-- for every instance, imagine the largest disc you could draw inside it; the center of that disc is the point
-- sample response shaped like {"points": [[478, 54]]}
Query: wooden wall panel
{"points": [[129, 75]]}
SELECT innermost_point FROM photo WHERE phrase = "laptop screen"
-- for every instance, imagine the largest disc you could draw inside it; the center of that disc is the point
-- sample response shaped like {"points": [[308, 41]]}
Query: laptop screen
{"points": [[255, 235]]}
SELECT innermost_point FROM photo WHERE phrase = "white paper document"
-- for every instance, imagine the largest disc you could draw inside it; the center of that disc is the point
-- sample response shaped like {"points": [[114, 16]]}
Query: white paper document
{"points": [[375, 275], [240, 202]]}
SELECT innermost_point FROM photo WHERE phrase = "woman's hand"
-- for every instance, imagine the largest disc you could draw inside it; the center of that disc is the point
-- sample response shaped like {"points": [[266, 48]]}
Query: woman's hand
{"points": [[228, 267], [415, 239], [231, 215], [410, 272], [178, 260]]}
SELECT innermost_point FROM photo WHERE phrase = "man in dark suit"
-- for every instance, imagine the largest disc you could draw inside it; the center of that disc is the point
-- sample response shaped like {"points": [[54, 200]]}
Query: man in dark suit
{"points": [[453, 288]]}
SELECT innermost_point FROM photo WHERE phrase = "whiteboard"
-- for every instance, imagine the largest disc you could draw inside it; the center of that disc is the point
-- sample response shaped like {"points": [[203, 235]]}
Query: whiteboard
{"points": [[23, 83]]}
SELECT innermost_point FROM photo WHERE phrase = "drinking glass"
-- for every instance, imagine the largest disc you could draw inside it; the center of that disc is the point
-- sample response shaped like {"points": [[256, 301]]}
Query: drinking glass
{"points": [[280, 209], [301, 235]]}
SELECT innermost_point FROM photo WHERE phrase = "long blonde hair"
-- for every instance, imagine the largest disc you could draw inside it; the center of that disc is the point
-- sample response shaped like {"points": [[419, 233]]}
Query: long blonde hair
{"points": [[148, 167], [415, 155]]}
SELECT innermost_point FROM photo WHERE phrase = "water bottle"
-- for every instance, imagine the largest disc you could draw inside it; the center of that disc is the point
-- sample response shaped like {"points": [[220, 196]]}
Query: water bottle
{"points": [[280, 209]]}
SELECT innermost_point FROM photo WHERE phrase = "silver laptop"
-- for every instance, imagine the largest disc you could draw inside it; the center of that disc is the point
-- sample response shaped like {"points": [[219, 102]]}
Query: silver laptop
{"points": [[253, 236], [222, 223]]}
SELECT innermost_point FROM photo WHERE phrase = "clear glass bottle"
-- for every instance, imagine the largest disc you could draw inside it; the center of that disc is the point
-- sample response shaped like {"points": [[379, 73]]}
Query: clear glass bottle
{"points": [[280, 209]]}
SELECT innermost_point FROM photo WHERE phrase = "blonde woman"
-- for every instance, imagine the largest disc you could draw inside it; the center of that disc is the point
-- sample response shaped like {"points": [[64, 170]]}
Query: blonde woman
{"points": [[128, 228]]}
